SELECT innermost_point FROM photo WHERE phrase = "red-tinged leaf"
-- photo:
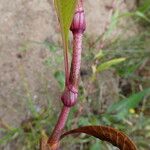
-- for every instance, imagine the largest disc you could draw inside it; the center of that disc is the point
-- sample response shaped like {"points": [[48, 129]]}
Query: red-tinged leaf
{"points": [[105, 133]]}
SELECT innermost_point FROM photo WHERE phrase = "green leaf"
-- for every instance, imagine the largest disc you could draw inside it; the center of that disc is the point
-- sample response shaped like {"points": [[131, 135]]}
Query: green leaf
{"points": [[122, 107], [142, 15], [99, 55], [10, 135], [109, 64], [145, 6], [65, 11]]}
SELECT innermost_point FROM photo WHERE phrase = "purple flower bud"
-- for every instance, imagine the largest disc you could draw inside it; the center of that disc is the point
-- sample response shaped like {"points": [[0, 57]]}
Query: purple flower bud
{"points": [[69, 97], [78, 24]]}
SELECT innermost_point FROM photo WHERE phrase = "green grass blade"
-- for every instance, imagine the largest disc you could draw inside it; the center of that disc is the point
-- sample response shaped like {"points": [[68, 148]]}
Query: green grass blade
{"points": [[109, 64], [122, 107], [10, 135]]}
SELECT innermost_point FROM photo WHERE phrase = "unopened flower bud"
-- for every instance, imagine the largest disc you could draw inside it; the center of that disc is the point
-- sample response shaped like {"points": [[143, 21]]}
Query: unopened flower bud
{"points": [[78, 24], [69, 97]]}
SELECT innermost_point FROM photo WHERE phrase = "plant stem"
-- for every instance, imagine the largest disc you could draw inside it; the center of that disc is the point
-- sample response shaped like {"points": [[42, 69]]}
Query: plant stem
{"points": [[54, 138], [69, 97], [73, 81], [76, 60]]}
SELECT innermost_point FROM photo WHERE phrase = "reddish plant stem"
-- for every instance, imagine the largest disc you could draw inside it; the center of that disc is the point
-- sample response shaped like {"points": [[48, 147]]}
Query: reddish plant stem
{"points": [[55, 136], [76, 60], [69, 97]]}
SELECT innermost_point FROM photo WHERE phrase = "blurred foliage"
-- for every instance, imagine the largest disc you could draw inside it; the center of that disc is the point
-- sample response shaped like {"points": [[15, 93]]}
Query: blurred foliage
{"points": [[121, 108], [108, 64], [60, 77]]}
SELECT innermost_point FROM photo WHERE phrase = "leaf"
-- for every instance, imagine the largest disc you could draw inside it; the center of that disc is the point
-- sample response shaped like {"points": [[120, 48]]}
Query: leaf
{"points": [[122, 107], [65, 11], [10, 135], [109, 64], [145, 6], [142, 15], [99, 55], [105, 133]]}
